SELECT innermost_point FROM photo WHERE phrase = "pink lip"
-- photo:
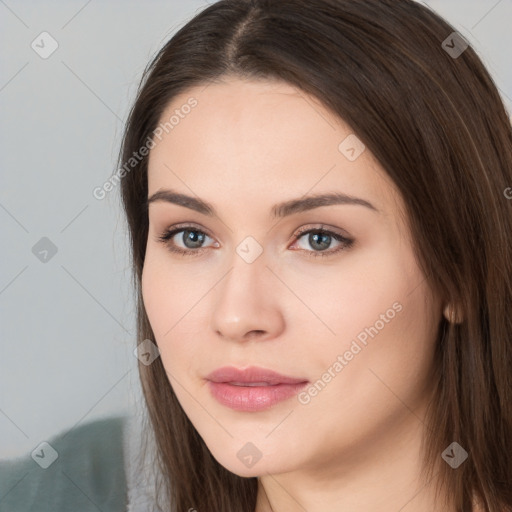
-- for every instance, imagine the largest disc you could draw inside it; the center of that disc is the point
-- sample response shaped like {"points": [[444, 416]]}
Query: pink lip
{"points": [[232, 387]]}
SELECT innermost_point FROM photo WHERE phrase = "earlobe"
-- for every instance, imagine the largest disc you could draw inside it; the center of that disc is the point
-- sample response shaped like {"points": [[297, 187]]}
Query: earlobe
{"points": [[452, 315]]}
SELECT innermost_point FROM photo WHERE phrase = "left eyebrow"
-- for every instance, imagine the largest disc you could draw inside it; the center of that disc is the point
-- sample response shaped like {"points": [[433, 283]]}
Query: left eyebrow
{"points": [[279, 210], [316, 201]]}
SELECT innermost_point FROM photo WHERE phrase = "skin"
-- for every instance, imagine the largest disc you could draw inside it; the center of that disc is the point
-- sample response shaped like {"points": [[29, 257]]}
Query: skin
{"points": [[356, 445]]}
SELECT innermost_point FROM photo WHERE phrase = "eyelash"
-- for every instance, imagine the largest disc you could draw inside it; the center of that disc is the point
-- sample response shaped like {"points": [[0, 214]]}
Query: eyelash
{"points": [[346, 243]]}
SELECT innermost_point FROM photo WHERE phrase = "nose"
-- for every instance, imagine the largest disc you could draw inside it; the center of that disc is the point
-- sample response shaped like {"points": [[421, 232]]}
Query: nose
{"points": [[247, 305]]}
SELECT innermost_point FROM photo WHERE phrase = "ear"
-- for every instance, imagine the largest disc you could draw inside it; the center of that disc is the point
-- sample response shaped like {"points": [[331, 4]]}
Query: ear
{"points": [[452, 314]]}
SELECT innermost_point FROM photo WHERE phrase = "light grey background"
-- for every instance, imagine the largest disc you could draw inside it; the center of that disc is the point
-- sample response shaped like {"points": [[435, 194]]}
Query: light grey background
{"points": [[68, 324]]}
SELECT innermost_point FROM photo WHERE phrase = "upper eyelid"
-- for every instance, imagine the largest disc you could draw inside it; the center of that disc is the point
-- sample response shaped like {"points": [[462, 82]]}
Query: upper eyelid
{"points": [[320, 226], [180, 227]]}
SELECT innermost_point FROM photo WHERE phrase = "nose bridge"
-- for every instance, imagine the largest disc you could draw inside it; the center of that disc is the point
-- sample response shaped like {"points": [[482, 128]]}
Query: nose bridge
{"points": [[243, 283], [243, 301]]}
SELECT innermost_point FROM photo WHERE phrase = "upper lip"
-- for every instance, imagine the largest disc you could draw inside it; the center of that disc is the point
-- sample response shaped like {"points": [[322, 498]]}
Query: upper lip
{"points": [[252, 374]]}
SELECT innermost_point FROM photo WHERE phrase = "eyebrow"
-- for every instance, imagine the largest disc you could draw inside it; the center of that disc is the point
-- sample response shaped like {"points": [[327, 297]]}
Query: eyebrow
{"points": [[279, 210]]}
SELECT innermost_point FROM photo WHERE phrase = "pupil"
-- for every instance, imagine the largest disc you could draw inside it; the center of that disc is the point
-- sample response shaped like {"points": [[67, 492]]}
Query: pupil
{"points": [[192, 236], [314, 239]]}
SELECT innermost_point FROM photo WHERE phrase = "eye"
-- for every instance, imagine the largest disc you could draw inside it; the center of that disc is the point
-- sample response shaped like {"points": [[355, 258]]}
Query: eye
{"points": [[319, 238], [193, 238]]}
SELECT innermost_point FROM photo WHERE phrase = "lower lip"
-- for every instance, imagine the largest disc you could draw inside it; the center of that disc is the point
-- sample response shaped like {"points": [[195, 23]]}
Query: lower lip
{"points": [[252, 398]]}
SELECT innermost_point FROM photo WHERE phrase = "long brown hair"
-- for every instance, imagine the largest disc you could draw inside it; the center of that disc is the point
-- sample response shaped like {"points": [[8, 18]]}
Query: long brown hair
{"points": [[436, 123]]}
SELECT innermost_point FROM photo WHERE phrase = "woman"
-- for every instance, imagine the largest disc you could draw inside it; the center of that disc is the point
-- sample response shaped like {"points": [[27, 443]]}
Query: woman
{"points": [[320, 228]]}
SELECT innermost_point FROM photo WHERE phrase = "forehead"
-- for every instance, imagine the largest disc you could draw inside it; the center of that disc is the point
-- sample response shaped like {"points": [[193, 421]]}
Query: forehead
{"points": [[260, 139]]}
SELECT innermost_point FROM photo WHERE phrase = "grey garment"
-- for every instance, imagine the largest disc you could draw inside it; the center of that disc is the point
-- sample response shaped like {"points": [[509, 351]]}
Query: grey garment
{"points": [[86, 474]]}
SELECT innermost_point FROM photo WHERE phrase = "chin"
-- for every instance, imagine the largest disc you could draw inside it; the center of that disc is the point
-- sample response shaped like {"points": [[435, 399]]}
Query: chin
{"points": [[246, 460]]}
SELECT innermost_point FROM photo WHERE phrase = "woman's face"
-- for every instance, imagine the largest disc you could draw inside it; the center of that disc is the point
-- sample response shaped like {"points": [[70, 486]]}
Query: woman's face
{"points": [[344, 315]]}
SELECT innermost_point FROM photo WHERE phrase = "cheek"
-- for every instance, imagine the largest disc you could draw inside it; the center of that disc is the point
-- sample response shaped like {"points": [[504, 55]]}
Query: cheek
{"points": [[380, 301], [169, 297], [164, 291], [154, 293], [380, 379], [387, 327], [351, 297]]}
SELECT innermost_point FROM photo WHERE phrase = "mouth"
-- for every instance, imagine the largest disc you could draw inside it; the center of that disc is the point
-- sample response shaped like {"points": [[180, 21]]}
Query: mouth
{"points": [[252, 389], [249, 384]]}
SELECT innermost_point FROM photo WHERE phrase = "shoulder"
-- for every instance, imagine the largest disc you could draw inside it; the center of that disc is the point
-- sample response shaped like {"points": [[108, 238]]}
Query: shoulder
{"points": [[83, 468]]}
